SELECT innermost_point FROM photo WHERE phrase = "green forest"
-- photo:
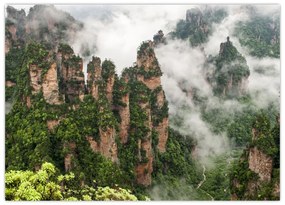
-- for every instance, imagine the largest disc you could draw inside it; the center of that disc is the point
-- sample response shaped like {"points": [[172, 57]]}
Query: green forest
{"points": [[79, 130]]}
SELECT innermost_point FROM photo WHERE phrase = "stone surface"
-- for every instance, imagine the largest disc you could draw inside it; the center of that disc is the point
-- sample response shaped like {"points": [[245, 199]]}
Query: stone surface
{"points": [[35, 78], [50, 86], [51, 124], [260, 163], [125, 119], [162, 130]]}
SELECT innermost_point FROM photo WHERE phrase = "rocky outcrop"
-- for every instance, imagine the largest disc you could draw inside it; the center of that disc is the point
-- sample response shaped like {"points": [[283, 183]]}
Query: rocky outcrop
{"points": [[124, 113], [50, 86], [260, 163], [108, 146], [231, 72], [102, 91], [35, 78], [72, 76], [94, 76], [256, 176], [70, 146], [62, 82], [47, 23], [9, 83], [162, 130], [93, 144], [194, 16], [151, 83], [51, 124], [149, 73], [109, 88], [145, 167], [14, 28], [144, 170]]}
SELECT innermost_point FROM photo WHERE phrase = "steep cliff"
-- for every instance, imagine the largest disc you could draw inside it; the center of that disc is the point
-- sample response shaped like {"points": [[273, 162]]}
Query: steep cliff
{"points": [[198, 24], [256, 176], [71, 74], [229, 79], [14, 28]]}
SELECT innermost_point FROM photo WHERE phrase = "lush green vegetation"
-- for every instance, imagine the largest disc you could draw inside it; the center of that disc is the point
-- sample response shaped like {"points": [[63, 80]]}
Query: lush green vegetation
{"points": [[40, 138], [261, 35], [47, 184], [198, 25], [231, 70], [266, 139]]}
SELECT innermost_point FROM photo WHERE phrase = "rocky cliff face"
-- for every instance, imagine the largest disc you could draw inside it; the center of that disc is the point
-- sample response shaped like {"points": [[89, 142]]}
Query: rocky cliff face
{"points": [[44, 23], [145, 167], [57, 78], [257, 173], [62, 81], [230, 77], [72, 77], [14, 28], [155, 111], [260, 163], [124, 110], [94, 77]]}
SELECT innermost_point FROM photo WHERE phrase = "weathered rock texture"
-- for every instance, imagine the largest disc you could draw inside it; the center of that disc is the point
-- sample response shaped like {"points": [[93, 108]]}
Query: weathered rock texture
{"points": [[108, 146], [35, 78], [50, 86], [70, 146], [256, 169], [62, 82], [124, 112], [94, 77], [260, 163], [149, 74]]}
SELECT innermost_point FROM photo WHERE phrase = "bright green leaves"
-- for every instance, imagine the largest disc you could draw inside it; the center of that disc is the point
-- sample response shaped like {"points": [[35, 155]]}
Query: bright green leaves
{"points": [[30, 186], [44, 184], [118, 194]]}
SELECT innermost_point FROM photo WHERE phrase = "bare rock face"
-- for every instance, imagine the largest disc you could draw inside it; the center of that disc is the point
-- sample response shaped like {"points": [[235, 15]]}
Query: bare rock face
{"points": [[35, 78], [194, 16], [146, 56], [71, 146], [8, 45], [14, 28], [73, 77], [108, 146], [9, 84], [151, 83], [93, 144], [125, 119], [144, 170], [162, 130], [145, 167], [94, 75], [260, 163], [147, 62], [50, 86], [109, 88], [51, 124], [160, 99]]}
